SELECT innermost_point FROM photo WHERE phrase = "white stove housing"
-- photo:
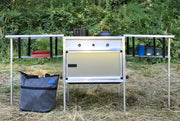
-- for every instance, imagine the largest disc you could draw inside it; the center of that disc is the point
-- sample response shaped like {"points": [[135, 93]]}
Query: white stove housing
{"points": [[93, 60]]}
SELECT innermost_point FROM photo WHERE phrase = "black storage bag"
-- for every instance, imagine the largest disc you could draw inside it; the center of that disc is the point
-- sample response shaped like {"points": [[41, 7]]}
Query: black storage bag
{"points": [[38, 94]]}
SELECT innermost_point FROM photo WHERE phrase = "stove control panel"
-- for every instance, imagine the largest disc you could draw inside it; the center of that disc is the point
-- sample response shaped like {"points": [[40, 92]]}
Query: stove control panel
{"points": [[93, 44]]}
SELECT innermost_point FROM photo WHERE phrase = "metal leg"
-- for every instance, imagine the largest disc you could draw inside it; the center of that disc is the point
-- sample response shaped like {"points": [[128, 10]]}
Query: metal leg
{"points": [[154, 41], [51, 50], [19, 47], [29, 46], [11, 69], [169, 73], [56, 43], [64, 74], [163, 47], [124, 72], [133, 44], [64, 97], [127, 44]]}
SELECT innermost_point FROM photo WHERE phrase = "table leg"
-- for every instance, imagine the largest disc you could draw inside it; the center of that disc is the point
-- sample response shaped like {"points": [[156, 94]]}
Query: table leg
{"points": [[11, 69], [169, 75]]}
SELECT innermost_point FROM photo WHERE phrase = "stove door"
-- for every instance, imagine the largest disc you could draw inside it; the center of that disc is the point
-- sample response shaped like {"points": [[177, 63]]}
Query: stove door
{"points": [[93, 65]]}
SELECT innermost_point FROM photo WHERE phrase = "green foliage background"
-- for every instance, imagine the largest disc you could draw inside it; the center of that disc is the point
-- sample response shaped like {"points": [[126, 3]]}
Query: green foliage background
{"points": [[62, 16]]}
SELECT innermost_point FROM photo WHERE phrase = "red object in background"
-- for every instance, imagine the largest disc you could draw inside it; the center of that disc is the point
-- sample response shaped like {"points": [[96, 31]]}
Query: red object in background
{"points": [[178, 70], [40, 54]]}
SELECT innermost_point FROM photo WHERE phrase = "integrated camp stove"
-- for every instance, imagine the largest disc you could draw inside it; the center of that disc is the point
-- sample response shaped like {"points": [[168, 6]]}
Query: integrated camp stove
{"points": [[93, 59]]}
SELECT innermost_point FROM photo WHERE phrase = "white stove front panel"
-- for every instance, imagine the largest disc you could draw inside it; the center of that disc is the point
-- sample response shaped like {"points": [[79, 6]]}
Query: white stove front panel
{"points": [[93, 45]]}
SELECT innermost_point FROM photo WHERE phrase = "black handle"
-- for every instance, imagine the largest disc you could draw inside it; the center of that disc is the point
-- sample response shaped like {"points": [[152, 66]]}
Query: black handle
{"points": [[72, 65]]}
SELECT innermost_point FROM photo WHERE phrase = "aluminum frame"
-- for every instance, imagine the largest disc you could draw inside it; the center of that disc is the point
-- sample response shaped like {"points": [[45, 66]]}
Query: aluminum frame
{"points": [[34, 36], [148, 36], [102, 51]]}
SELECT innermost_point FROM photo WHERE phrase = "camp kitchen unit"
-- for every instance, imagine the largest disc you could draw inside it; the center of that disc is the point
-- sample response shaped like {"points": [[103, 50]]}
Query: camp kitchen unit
{"points": [[91, 59]]}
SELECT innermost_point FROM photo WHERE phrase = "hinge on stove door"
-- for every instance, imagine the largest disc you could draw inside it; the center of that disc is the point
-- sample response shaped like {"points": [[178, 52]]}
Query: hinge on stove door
{"points": [[66, 51], [121, 51], [66, 78]]}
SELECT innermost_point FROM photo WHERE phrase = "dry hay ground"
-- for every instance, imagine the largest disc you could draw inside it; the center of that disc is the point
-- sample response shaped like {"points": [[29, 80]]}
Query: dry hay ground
{"points": [[146, 96]]}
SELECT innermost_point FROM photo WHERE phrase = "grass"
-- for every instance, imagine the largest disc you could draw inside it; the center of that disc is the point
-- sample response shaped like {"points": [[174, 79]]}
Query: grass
{"points": [[6, 90], [37, 61], [146, 95]]}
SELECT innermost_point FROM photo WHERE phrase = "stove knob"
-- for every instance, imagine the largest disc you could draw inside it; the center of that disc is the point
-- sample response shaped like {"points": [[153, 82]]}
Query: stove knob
{"points": [[107, 45], [79, 45]]}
